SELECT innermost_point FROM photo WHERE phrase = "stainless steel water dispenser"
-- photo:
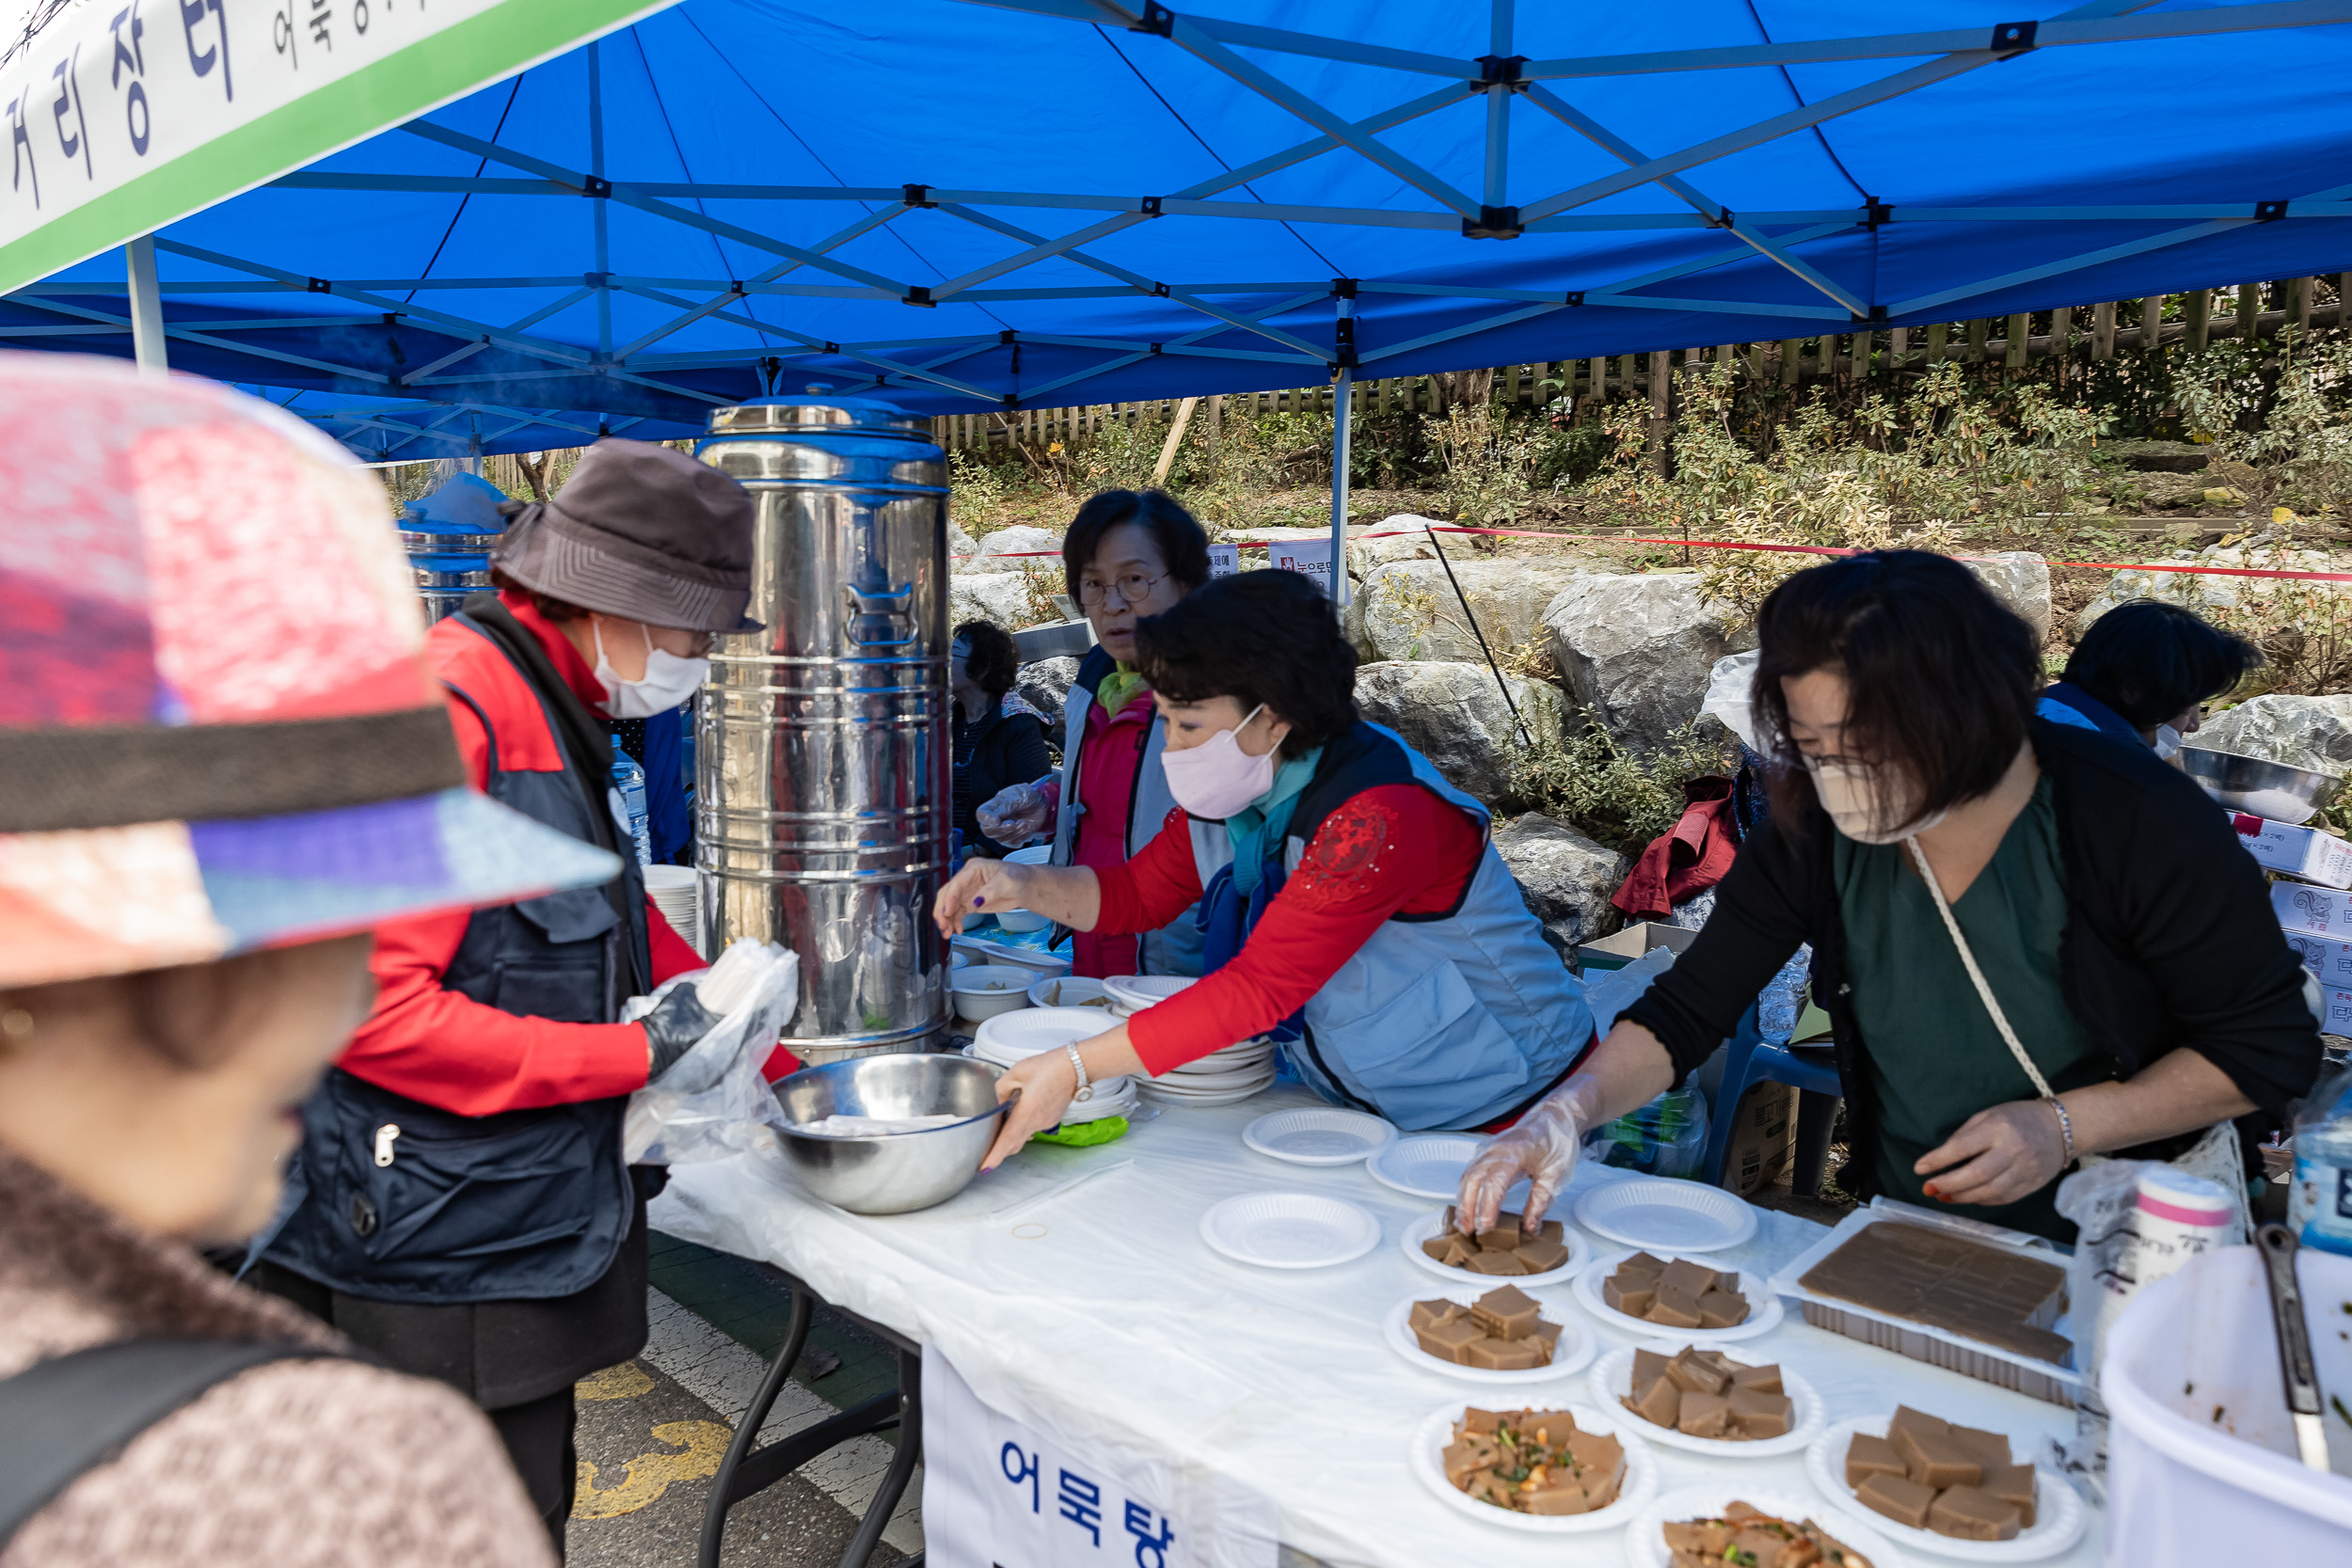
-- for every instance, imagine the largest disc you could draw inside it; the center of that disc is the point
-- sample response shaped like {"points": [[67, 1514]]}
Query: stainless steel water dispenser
{"points": [[824, 786]]}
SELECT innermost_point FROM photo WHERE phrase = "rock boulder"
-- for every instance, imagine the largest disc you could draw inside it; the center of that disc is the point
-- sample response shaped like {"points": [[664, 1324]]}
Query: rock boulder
{"points": [[999, 596], [961, 547], [1453, 715], [1637, 651], [2301, 732], [1408, 610], [1565, 878], [1046, 685], [1010, 549], [2020, 580]]}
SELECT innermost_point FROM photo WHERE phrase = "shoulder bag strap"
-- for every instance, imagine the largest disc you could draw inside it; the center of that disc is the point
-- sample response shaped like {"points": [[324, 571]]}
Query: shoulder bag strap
{"points": [[1968, 960], [75, 1412]]}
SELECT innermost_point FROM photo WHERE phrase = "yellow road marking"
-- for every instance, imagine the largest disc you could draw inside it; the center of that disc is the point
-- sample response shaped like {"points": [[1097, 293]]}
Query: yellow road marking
{"points": [[624, 1382], [703, 1443]]}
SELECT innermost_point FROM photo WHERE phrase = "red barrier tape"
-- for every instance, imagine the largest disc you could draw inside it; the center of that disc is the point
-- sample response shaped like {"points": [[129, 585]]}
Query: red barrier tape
{"points": [[1747, 544]]}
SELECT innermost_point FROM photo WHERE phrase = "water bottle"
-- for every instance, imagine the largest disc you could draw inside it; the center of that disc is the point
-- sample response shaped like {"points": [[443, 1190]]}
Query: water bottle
{"points": [[2319, 1208], [628, 782]]}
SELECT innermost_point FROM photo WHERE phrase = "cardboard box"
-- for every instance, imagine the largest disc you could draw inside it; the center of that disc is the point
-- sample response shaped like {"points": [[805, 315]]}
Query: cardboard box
{"points": [[2339, 1012], [2299, 851], [1763, 1137], [2327, 958], [2313, 910], [1621, 948]]}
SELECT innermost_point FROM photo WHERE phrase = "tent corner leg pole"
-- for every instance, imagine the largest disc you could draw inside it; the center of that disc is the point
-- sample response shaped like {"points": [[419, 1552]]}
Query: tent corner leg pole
{"points": [[146, 307], [1342, 401]]}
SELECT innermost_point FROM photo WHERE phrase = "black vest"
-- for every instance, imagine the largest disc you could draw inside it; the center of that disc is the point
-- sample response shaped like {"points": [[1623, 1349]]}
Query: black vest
{"points": [[523, 1204]]}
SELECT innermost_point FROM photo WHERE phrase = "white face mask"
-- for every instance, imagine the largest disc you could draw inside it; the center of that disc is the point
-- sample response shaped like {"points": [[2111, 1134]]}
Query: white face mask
{"points": [[669, 680], [1856, 800], [1216, 778], [2166, 744]]}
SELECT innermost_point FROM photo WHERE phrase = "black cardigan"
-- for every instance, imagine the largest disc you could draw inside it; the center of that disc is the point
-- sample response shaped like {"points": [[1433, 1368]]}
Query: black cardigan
{"points": [[1010, 750], [2170, 939]]}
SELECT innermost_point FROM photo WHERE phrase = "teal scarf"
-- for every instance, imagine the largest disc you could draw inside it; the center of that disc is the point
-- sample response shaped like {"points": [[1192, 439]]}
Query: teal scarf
{"points": [[1266, 819]]}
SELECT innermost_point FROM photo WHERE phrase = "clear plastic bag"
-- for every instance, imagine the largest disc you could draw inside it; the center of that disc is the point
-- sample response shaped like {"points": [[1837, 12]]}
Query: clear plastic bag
{"points": [[708, 1102], [1665, 1137]]}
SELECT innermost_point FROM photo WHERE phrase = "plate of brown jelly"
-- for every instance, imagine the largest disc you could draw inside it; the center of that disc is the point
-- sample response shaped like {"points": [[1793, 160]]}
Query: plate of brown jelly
{"points": [[1499, 1335], [1708, 1402], [1560, 1470], [1689, 1299], [1724, 1522], [1506, 1253], [1938, 1486]]}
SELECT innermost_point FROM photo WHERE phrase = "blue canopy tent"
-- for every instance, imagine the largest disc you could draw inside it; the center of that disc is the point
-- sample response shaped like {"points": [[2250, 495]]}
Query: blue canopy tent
{"points": [[967, 207]]}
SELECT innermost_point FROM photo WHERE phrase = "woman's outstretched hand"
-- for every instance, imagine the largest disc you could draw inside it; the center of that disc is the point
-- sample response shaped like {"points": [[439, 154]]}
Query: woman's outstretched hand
{"points": [[982, 887], [1541, 1146]]}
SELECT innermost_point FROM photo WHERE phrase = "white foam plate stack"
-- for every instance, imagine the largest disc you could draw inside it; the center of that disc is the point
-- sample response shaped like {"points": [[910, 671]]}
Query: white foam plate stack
{"points": [[1010, 1038], [1220, 1078], [1131, 994], [673, 890]]}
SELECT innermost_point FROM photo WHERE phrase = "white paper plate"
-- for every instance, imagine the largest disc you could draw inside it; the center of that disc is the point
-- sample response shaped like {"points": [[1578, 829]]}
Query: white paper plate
{"points": [[1612, 1380], [1247, 1053], [1425, 1164], [1579, 1253], [1645, 1537], [1764, 1309], [1568, 1357], [1209, 1083], [1427, 1461], [1317, 1136], [1290, 1230], [1659, 1214], [1206, 1100], [2057, 1511], [1032, 1030], [1101, 1107]]}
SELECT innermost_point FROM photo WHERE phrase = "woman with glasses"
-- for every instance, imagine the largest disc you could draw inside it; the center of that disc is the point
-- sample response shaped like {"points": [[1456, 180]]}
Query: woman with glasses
{"points": [[1128, 554], [1352, 901]]}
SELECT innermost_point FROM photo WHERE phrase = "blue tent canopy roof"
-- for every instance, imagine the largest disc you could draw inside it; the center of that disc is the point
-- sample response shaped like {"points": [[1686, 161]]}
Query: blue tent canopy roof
{"points": [[967, 207]]}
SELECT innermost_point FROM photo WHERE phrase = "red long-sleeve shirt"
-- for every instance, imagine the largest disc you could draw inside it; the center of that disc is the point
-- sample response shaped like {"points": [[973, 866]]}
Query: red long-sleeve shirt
{"points": [[445, 1049], [1393, 849]]}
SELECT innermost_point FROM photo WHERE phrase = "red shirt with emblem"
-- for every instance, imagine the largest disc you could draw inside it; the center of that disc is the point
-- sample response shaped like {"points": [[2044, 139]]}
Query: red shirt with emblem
{"points": [[1393, 849]]}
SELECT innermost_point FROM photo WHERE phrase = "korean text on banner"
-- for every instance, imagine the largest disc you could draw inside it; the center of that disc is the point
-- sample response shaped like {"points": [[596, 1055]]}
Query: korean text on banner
{"points": [[997, 1491], [123, 117], [1224, 560], [1312, 556]]}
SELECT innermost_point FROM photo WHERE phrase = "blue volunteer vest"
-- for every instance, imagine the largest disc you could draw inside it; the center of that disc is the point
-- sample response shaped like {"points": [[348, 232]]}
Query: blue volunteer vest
{"points": [[520, 1205], [1444, 1020]]}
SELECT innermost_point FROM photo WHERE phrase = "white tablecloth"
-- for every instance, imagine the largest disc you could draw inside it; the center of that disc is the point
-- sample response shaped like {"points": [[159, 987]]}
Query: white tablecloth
{"points": [[1118, 1324]]}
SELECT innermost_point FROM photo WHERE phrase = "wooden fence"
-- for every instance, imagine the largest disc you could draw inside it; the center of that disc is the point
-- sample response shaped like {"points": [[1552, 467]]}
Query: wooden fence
{"points": [[2251, 311]]}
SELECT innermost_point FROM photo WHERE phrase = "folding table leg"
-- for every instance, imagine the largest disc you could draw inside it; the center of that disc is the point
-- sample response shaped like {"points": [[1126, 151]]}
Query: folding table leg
{"points": [[902, 1464], [747, 1429]]}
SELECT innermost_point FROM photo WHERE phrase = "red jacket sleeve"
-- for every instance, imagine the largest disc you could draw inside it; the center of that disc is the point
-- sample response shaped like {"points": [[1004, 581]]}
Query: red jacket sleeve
{"points": [[1148, 890], [1393, 849], [458, 1054]]}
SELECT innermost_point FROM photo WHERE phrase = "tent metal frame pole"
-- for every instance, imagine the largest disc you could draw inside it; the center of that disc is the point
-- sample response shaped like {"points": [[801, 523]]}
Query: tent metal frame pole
{"points": [[1342, 419], [148, 348]]}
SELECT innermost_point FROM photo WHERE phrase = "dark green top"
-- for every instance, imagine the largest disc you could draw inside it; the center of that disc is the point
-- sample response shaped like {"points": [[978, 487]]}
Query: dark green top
{"points": [[1934, 1055]]}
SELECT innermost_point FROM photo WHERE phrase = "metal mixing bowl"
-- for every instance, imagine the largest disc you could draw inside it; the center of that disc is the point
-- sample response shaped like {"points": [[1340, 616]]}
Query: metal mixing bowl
{"points": [[2257, 784], [898, 1172]]}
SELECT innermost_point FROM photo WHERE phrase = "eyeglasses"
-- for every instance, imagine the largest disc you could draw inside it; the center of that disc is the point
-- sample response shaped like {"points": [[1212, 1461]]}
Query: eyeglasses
{"points": [[1132, 588]]}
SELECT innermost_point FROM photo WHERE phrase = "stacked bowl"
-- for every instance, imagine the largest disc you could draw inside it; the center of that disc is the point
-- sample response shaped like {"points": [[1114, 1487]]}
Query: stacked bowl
{"points": [[672, 888], [1010, 1038]]}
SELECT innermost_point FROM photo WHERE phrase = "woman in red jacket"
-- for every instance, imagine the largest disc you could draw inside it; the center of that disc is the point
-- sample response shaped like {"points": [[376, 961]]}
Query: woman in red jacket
{"points": [[464, 1209]]}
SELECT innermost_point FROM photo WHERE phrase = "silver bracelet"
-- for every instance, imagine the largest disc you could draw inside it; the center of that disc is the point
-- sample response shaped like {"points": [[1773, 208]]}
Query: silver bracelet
{"points": [[1086, 1085], [2066, 1128]]}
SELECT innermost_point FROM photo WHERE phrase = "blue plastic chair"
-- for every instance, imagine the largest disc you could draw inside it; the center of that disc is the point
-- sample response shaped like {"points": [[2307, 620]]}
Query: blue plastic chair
{"points": [[1752, 1059]]}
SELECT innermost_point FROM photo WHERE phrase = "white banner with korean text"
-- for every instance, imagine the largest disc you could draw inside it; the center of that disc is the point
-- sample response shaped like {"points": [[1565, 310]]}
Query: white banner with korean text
{"points": [[124, 115], [999, 1492]]}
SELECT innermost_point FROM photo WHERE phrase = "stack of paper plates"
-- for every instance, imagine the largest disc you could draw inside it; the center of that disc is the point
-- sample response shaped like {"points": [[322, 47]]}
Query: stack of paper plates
{"points": [[1010, 1039], [672, 888], [1220, 1078], [1131, 994]]}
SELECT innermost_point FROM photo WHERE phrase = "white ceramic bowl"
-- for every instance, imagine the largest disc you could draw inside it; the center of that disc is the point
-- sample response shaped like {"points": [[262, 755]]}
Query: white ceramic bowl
{"points": [[984, 990], [1020, 920], [1139, 991], [1072, 991]]}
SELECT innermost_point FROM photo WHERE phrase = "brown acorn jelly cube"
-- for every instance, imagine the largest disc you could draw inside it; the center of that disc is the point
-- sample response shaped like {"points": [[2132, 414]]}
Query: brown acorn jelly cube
{"points": [[1970, 1514], [1661, 1404], [1634, 1298], [1503, 1356], [1867, 1456], [1692, 1279], [1703, 1416], [1495, 1263], [1675, 1309], [1429, 1314], [1696, 1373], [1762, 1380], [1723, 1309], [1539, 1254], [1450, 1341], [1507, 1312], [2014, 1485], [1899, 1497], [1760, 1414]]}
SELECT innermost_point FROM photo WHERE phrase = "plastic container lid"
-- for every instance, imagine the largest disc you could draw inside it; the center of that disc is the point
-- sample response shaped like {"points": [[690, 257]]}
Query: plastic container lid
{"points": [[2186, 1200]]}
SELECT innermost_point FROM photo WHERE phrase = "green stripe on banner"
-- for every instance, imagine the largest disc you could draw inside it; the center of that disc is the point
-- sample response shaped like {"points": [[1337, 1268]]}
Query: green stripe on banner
{"points": [[426, 74]]}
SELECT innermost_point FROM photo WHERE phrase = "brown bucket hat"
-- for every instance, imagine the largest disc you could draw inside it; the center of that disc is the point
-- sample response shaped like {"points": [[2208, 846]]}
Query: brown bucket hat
{"points": [[639, 530]]}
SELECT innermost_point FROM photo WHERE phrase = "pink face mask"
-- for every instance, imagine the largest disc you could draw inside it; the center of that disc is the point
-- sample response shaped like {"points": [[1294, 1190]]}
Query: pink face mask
{"points": [[1216, 778]]}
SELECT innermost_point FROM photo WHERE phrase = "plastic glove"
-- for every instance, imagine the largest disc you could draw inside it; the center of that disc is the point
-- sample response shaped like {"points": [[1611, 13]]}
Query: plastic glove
{"points": [[1542, 1146], [673, 1027], [1014, 814]]}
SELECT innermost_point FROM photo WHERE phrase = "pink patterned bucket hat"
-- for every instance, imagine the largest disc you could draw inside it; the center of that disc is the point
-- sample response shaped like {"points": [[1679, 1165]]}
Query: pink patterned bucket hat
{"points": [[218, 728]]}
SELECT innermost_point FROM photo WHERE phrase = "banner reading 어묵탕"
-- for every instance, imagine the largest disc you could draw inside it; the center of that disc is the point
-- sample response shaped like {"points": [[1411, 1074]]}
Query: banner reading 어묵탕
{"points": [[124, 115]]}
